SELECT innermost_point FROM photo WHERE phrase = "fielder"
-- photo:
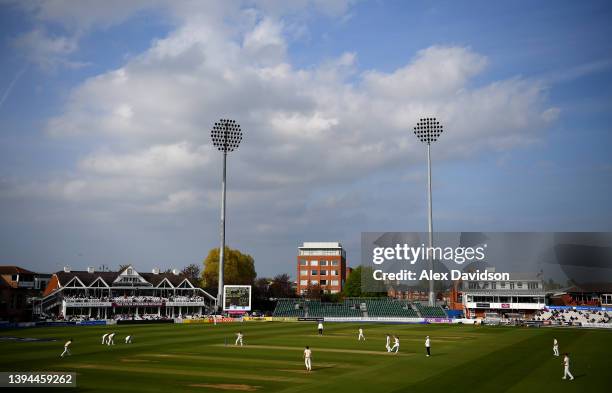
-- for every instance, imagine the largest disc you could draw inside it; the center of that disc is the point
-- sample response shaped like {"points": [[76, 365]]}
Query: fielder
{"points": [[361, 336], [128, 340], [239, 337], [395, 344], [428, 346], [566, 364], [388, 344], [104, 338], [555, 347], [307, 361], [320, 327], [67, 348], [109, 339]]}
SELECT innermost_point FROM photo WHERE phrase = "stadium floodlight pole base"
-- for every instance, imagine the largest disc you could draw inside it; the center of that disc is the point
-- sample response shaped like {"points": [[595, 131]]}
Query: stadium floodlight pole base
{"points": [[222, 249], [432, 299]]}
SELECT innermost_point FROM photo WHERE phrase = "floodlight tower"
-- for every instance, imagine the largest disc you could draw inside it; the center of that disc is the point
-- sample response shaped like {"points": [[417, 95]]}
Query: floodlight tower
{"points": [[428, 130], [226, 136]]}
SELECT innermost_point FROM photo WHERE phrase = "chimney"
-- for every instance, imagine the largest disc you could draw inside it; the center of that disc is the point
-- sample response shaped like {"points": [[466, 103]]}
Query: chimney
{"points": [[155, 270], [90, 269], [66, 269]]}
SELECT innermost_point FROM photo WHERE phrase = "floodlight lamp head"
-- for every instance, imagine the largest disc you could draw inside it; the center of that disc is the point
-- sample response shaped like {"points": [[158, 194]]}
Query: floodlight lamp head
{"points": [[428, 130], [226, 135]]}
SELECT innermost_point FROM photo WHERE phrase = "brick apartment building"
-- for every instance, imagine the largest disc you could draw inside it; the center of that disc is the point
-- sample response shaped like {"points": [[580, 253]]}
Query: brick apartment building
{"points": [[323, 264]]}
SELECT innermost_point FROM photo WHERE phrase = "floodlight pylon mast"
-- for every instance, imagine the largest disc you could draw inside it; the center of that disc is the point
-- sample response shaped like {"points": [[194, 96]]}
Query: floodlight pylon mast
{"points": [[428, 130], [432, 299], [222, 249], [226, 136]]}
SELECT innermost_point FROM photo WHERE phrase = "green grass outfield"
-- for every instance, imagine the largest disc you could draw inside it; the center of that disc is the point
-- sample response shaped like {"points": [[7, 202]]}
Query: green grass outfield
{"points": [[193, 358]]}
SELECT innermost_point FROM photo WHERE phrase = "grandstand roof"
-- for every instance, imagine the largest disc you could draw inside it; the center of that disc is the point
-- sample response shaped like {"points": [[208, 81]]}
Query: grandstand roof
{"points": [[88, 278]]}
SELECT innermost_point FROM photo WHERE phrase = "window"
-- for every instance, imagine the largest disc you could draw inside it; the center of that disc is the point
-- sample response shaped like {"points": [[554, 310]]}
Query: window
{"points": [[334, 272], [334, 263], [303, 272], [314, 272], [324, 272], [304, 282], [323, 282], [532, 285], [314, 282], [303, 262], [519, 284], [334, 282], [14, 277], [314, 262], [130, 271]]}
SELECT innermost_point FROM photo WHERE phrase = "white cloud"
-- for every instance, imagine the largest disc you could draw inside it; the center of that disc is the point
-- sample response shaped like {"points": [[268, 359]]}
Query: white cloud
{"points": [[435, 71], [265, 42], [48, 51], [303, 127], [154, 161], [175, 202]]}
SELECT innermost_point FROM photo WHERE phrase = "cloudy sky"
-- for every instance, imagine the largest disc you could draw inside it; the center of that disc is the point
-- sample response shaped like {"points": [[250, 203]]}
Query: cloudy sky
{"points": [[106, 108]]}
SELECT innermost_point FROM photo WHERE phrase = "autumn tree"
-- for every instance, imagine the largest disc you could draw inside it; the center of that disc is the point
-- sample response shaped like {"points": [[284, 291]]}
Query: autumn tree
{"points": [[238, 269]]}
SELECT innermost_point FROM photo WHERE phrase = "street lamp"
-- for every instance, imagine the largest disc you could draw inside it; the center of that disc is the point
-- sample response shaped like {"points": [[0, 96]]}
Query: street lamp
{"points": [[226, 136], [428, 130]]}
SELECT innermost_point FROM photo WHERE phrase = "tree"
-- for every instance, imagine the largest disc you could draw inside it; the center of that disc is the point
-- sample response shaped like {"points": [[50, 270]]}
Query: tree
{"points": [[192, 271], [313, 292], [363, 276], [239, 268], [281, 286], [352, 287], [261, 295]]}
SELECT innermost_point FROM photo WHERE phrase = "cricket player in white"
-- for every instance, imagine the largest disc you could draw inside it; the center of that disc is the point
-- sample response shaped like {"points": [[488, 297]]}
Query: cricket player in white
{"points": [[307, 361], [395, 344], [566, 364], [428, 346], [388, 344], [555, 347], [361, 336], [67, 348], [238, 338], [320, 327], [109, 340], [104, 338], [128, 340]]}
